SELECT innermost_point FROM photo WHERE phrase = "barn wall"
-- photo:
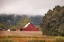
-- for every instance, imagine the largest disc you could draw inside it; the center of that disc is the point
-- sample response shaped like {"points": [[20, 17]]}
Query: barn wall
{"points": [[30, 27]]}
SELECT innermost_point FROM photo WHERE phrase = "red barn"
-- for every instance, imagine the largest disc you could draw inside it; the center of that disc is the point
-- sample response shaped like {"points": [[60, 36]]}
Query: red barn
{"points": [[30, 27]]}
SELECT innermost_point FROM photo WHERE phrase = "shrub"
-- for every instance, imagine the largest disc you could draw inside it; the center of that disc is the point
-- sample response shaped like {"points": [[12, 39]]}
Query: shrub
{"points": [[59, 39]]}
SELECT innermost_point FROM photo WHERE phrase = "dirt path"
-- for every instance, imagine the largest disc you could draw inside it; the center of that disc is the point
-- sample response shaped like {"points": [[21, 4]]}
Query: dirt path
{"points": [[21, 33]]}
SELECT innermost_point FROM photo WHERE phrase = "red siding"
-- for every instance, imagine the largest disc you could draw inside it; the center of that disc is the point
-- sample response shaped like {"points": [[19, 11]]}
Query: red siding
{"points": [[30, 27]]}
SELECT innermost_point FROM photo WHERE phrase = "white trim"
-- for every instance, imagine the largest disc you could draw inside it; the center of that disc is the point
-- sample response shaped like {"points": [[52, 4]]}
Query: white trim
{"points": [[26, 25]]}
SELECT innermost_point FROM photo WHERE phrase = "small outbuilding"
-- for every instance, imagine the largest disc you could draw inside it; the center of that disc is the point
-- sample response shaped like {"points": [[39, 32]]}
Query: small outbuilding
{"points": [[30, 27], [17, 29], [8, 30]]}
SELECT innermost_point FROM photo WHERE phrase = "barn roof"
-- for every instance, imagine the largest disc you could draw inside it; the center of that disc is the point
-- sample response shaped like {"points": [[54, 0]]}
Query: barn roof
{"points": [[26, 25]]}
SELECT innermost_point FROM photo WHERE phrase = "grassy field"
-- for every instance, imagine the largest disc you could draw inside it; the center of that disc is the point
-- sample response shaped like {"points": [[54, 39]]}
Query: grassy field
{"points": [[25, 36], [28, 38]]}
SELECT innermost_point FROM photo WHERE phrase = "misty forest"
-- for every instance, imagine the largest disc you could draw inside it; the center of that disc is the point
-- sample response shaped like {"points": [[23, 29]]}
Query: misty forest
{"points": [[18, 21]]}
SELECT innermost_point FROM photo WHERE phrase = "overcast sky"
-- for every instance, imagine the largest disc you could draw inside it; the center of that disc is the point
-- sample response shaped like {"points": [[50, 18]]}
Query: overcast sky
{"points": [[28, 7]]}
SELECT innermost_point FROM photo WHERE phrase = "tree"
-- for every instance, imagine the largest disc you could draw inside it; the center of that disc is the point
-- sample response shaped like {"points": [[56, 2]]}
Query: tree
{"points": [[13, 28], [3, 26], [23, 22], [52, 21]]}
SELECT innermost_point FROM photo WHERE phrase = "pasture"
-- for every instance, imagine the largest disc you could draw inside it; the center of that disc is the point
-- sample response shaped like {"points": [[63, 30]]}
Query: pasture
{"points": [[26, 36]]}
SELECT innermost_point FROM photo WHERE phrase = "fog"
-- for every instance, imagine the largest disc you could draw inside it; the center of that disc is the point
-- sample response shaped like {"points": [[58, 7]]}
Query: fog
{"points": [[28, 7]]}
